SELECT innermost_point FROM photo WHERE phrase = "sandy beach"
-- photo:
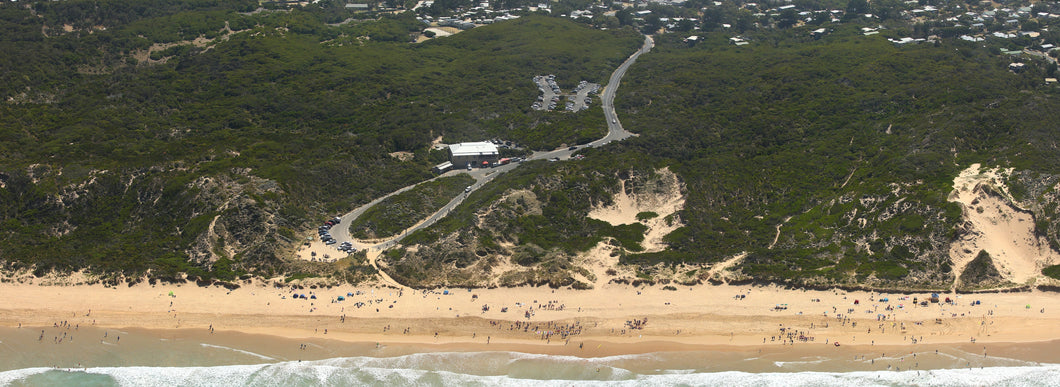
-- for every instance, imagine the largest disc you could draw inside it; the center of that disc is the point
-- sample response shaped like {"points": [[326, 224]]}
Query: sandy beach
{"points": [[615, 319]]}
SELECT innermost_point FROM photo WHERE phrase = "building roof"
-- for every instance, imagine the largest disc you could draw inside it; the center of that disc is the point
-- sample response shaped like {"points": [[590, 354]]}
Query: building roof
{"points": [[473, 149]]}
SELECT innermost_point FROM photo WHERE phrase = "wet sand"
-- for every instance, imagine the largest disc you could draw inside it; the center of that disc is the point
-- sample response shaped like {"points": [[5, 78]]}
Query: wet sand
{"points": [[103, 347], [611, 320]]}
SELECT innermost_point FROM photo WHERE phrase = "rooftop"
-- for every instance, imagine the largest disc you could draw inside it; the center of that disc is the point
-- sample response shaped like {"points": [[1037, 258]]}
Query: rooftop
{"points": [[473, 148]]}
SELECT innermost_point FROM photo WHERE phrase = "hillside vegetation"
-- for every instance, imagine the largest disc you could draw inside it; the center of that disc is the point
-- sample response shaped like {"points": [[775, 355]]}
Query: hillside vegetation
{"points": [[249, 127], [847, 145], [399, 212], [828, 162], [208, 138]]}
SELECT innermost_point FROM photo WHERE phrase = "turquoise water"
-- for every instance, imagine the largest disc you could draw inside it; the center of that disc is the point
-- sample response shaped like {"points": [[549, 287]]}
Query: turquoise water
{"points": [[519, 369]]}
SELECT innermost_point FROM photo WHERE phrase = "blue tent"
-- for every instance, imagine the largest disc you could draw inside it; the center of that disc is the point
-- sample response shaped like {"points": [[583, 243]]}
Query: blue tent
{"points": [[341, 298]]}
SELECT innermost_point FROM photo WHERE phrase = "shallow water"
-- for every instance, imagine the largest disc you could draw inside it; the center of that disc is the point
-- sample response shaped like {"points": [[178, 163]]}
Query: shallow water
{"points": [[96, 357], [507, 368]]}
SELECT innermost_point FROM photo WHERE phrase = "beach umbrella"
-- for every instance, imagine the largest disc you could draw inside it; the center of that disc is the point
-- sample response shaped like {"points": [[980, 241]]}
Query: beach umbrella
{"points": [[171, 294]]}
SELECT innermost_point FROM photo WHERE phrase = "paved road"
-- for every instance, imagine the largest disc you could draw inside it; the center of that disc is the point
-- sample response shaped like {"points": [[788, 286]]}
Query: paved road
{"points": [[615, 132], [483, 176]]}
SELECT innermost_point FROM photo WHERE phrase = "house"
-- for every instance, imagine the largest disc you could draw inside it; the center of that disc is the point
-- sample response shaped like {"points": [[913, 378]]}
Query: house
{"points": [[473, 153]]}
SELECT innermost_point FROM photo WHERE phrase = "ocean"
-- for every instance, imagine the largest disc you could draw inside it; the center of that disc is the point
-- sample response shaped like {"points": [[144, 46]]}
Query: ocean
{"points": [[508, 369], [152, 358]]}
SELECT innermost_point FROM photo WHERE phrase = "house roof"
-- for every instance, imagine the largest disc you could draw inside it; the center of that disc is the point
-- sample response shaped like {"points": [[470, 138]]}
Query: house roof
{"points": [[473, 149]]}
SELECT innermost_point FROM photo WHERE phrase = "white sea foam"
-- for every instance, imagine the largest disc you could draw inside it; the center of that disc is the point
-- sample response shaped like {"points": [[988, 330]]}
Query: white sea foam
{"points": [[8, 377], [260, 356], [512, 369], [797, 363]]}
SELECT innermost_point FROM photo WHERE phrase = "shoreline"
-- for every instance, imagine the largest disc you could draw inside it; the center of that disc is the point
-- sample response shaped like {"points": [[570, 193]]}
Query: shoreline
{"points": [[626, 319], [713, 322], [194, 347]]}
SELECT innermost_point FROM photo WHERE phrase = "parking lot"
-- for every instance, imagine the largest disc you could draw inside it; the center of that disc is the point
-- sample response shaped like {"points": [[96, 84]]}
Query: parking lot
{"points": [[580, 100], [551, 93]]}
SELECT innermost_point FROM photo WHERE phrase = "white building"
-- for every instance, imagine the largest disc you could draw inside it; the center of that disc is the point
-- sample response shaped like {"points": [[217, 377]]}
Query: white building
{"points": [[474, 153]]}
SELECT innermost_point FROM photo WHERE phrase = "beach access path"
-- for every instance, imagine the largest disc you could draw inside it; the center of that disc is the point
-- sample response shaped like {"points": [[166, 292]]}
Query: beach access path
{"points": [[341, 231]]}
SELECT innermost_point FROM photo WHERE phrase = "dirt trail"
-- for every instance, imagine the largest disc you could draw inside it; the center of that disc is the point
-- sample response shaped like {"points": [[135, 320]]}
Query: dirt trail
{"points": [[720, 267]]}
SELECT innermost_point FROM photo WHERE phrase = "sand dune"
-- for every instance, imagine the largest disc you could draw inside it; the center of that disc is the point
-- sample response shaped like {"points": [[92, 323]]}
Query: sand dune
{"points": [[995, 225]]}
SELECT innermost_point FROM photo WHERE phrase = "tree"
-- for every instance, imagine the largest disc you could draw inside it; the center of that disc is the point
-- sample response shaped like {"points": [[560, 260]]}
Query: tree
{"points": [[856, 7], [787, 18], [712, 18], [625, 17], [652, 23], [744, 21], [685, 25]]}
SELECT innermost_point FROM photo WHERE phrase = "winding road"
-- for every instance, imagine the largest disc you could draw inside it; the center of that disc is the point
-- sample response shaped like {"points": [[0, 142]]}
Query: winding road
{"points": [[615, 132]]}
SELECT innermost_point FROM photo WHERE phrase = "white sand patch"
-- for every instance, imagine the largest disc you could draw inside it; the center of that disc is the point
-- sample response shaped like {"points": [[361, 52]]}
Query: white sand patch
{"points": [[666, 200], [402, 155], [599, 260], [994, 224]]}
